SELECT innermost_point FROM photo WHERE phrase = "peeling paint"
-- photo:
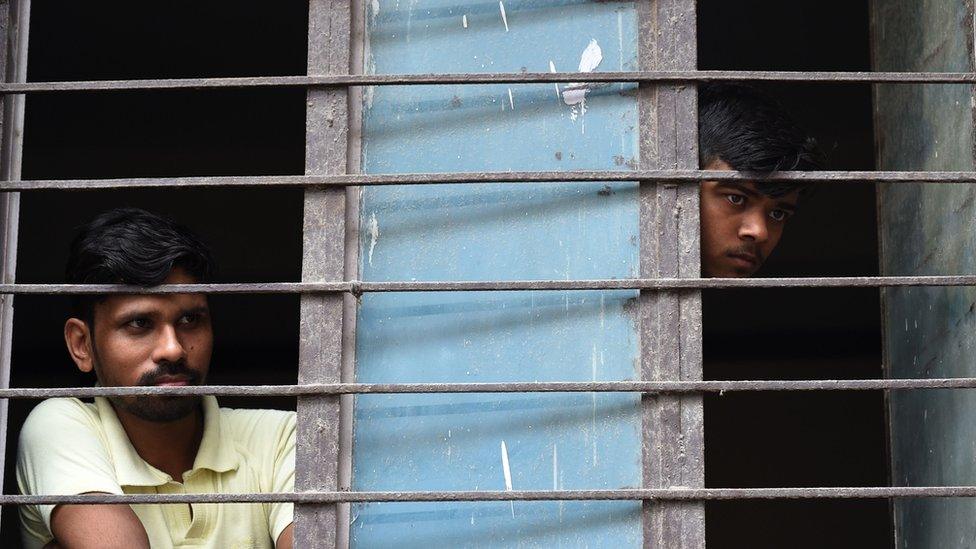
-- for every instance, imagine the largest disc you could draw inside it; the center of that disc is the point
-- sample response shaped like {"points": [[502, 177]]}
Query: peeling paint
{"points": [[507, 471], [501, 8], [552, 68], [464, 21], [574, 94], [374, 235]]}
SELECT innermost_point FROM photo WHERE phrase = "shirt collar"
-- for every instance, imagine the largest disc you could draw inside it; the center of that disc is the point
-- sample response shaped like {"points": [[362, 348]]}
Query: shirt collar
{"points": [[215, 452]]}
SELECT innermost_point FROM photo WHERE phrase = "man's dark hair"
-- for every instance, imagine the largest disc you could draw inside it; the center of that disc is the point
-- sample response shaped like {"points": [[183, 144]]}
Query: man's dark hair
{"points": [[132, 246], [752, 132]]}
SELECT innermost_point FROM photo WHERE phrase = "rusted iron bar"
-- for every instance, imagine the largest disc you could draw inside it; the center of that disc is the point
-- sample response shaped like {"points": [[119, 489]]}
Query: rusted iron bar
{"points": [[490, 78], [360, 287], [663, 494], [650, 387], [351, 180]]}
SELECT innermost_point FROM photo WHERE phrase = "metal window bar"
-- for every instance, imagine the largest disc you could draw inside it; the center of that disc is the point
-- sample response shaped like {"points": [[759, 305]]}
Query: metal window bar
{"points": [[632, 494], [360, 287], [648, 387], [344, 80], [14, 28], [354, 180], [321, 331], [672, 432]]}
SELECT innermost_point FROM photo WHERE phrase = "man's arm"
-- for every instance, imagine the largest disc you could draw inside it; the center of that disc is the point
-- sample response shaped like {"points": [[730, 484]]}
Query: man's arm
{"points": [[99, 526], [285, 539]]}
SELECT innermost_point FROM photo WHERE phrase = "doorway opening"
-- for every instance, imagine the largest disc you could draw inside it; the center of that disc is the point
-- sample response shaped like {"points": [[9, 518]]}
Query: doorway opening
{"points": [[255, 233], [790, 439]]}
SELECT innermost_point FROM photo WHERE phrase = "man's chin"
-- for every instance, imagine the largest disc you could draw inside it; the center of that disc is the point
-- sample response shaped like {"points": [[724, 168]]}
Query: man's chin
{"points": [[730, 272], [158, 409]]}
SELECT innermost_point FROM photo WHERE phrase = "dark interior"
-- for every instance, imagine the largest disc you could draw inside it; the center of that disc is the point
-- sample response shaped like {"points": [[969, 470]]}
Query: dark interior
{"points": [[255, 234], [800, 439], [751, 439]]}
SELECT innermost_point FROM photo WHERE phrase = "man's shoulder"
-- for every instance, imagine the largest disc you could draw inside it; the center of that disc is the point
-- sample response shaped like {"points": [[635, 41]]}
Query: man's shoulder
{"points": [[60, 411], [257, 426]]}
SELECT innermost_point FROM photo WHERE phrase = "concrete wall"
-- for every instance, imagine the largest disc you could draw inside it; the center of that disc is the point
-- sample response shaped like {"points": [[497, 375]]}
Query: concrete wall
{"points": [[928, 230]]}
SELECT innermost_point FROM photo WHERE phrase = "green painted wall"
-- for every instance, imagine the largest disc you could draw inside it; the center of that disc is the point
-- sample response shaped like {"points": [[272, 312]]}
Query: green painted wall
{"points": [[928, 230]]}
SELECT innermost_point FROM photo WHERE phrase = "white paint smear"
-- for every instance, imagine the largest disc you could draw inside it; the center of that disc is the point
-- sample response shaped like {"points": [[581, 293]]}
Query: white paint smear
{"points": [[507, 471], [501, 8], [374, 235], [511, 100], [552, 68], [464, 21], [574, 94], [591, 58]]}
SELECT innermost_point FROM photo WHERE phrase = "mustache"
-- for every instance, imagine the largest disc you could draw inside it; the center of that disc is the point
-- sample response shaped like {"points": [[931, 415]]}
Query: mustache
{"points": [[747, 249], [165, 369]]}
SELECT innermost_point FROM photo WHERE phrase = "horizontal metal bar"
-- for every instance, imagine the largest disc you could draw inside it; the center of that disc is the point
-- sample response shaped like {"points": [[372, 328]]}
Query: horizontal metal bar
{"points": [[686, 494], [676, 176], [492, 78], [651, 387], [360, 287]]}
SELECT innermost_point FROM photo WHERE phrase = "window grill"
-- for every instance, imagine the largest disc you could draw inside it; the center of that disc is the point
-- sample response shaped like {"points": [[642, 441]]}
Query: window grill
{"points": [[673, 489]]}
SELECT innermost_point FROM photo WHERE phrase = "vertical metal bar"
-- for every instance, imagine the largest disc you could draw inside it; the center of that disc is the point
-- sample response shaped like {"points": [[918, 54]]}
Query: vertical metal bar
{"points": [[673, 425], [13, 39], [320, 347], [350, 302]]}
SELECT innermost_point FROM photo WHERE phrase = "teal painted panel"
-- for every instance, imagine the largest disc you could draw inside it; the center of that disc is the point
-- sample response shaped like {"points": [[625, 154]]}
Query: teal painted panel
{"points": [[498, 231], [928, 230]]}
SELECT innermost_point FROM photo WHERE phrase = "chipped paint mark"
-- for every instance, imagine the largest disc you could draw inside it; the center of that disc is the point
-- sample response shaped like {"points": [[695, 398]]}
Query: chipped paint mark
{"points": [[574, 94], [501, 8], [593, 407], [603, 311], [374, 235], [511, 100], [507, 471], [555, 467], [620, 41], [374, 8], [559, 156], [552, 68], [464, 21]]}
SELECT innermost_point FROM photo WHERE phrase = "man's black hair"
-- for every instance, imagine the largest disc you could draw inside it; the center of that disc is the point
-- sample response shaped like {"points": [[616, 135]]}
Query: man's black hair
{"points": [[136, 247], [752, 132]]}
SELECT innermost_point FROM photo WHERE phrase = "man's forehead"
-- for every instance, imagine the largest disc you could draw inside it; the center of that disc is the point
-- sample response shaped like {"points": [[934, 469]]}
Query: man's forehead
{"points": [[126, 304]]}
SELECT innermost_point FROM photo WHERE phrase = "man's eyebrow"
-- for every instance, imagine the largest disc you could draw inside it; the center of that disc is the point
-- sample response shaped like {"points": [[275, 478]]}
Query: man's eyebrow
{"points": [[739, 187]]}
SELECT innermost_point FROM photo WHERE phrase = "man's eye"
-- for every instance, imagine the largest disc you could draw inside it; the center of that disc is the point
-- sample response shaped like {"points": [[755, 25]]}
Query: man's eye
{"points": [[190, 318], [736, 199], [138, 323], [779, 215]]}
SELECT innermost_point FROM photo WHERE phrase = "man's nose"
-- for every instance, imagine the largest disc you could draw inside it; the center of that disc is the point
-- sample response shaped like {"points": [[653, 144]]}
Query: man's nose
{"points": [[753, 227], [168, 346]]}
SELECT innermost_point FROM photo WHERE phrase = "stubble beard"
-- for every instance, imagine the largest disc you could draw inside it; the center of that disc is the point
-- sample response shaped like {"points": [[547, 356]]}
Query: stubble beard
{"points": [[160, 409]]}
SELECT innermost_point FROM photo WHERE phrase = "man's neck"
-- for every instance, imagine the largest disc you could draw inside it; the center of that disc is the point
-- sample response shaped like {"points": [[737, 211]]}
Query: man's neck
{"points": [[169, 446]]}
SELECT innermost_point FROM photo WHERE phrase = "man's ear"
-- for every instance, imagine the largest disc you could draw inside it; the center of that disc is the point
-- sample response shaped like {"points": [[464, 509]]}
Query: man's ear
{"points": [[78, 339]]}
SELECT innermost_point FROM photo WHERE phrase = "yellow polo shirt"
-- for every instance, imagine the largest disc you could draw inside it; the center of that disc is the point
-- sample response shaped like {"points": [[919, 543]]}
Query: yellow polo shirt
{"points": [[71, 447]]}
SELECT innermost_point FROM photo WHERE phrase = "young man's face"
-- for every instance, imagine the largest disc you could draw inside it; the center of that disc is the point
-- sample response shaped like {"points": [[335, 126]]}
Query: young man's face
{"points": [[740, 226], [141, 340]]}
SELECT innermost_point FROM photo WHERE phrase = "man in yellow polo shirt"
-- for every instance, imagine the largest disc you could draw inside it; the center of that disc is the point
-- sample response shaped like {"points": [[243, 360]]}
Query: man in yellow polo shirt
{"points": [[150, 445]]}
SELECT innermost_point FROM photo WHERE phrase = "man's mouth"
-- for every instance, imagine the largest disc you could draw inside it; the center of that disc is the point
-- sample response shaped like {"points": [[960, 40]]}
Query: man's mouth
{"points": [[745, 259], [171, 381]]}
